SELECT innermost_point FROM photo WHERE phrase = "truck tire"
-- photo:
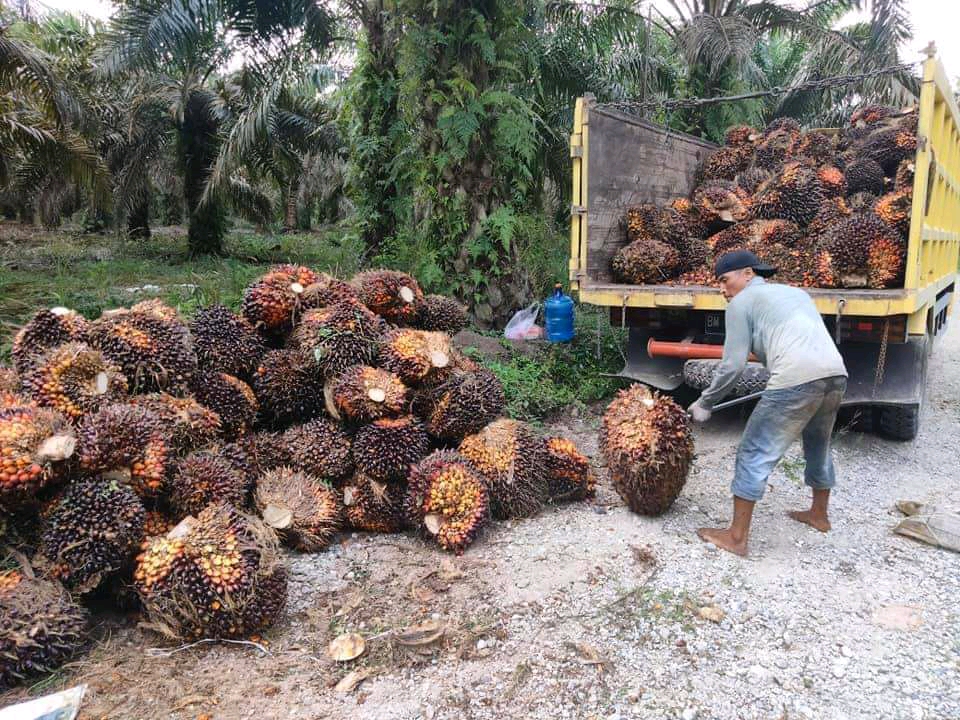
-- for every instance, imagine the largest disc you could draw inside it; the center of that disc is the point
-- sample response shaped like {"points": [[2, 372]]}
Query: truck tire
{"points": [[698, 374], [899, 422]]}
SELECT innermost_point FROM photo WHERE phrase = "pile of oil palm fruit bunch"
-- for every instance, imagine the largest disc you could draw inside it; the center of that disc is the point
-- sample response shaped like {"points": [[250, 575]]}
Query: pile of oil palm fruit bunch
{"points": [[828, 208], [164, 464]]}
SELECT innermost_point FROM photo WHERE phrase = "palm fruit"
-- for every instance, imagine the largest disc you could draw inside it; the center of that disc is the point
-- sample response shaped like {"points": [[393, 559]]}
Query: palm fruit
{"points": [[216, 575], [447, 500], [720, 203], [512, 460], [186, 423], [415, 356], [645, 262], [864, 175], [154, 353], [157, 522], [394, 296], [288, 388], [41, 627], [861, 202], [894, 209], [74, 379], [462, 405], [269, 450], [319, 448], [683, 209], [844, 256], [739, 135], [751, 179], [365, 393], [91, 532], [126, 443], [374, 506], [782, 124], [328, 290], [46, 330], [648, 444], [792, 194], [230, 398], [337, 337], [886, 262], [903, 180], [157, 308], [702, 276], [871, 114], [273, 303], [817, 147], [35, 444], [832, 180], [226, 342], [569, 476], [755, 234], [443, 314], [682, 230], [832, 211], [385, 449], [206, 477], [643, 222], [774, 149], [306, 512], [725, 163], [888, 147]]}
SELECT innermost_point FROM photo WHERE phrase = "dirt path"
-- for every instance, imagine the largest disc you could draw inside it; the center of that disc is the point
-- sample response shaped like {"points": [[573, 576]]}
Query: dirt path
{"points": [[591, 612]]}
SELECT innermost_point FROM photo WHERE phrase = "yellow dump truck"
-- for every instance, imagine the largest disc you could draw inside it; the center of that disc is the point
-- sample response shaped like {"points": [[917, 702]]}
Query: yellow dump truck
{"points": [[885, 336]]}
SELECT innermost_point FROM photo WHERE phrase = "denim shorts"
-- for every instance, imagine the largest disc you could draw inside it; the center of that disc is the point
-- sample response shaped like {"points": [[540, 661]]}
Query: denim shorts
{"points": [[806, 411]]}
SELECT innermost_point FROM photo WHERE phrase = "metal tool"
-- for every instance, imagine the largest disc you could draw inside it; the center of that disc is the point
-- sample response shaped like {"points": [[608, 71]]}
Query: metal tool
{"points": [[737, 401]]}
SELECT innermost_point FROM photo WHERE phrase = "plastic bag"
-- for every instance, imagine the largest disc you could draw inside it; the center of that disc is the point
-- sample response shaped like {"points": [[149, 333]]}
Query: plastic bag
{"points": [[523, 324]]}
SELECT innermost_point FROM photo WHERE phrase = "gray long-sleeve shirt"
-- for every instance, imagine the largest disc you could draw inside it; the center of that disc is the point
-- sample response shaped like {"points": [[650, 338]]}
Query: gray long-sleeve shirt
{"points": [[781, 326]]}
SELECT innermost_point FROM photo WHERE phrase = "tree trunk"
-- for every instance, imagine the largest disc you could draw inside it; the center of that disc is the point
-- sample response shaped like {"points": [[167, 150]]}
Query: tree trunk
{"points": [[290, 207], [198, 140], [138, 221]]}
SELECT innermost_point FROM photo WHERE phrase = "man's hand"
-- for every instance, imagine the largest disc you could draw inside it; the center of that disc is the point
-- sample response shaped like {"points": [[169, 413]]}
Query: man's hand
{"points": [[699, 413]]}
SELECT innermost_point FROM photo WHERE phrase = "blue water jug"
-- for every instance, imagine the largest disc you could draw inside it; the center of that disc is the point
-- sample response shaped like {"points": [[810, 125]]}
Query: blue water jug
{"points": [[558, 314]]}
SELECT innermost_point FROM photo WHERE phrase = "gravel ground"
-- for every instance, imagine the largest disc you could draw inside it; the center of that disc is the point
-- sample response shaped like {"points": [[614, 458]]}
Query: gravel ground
{"points": [[588, 611]]}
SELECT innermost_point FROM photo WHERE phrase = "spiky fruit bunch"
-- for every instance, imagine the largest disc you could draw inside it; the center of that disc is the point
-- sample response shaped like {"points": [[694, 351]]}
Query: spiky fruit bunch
{"points": [[894, 209], [720, 203], [305, 511], [447, 500], [832, 180], [439, 312], [288, 388], [186, 423], [794, 264], [274, 302], [818, 148], [328, 290], [749, 180], [91, 532], [374, 506], [683, 231], [512, 460], [647, 441], [394, 296], [365, 393], [46, 330], [903, 180], [157, 522], [127, 443], [154, 353], [861, 202], [216, 575], [774, 149], [754, 235], [702, 276], [230, 398], [889, 146], [337, 337], [74, 379], [871, 114], [462, 405], [832, 211], [415, 356], [269, 451], [385, 449], [792, 194], [739, 135], [645, 261], [782, 124], [861, 251], [864, 175], [35, 444], [569, 476], [725, 163], [226, 342], [206, 477], [682, 210], [643, 222], [41, 627], [320, 448], [158, 308]]}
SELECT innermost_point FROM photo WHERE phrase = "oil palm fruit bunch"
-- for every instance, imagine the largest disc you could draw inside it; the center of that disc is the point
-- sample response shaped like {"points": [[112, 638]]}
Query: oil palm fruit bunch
{"points": [[35, 447], [861, 251], [46, 330], [462, 405], [215, 575], [157, 522], [720, 203], [755, 234], [889, 146], [186, 423], [447, 500], [127, 443], [154, 352], [394, 296], [569, 476], [91, 532], [288, 388], [645, 262], [683, 209], [374, 506], [328, 290], [319, 447], [206, 477], [364, 393], [647, 442], [643, 222], [442, 314], [781, 124], [750, 179], [74, 379], [41, 627], [864, 175], [337, 337], [740, 135], [726, 162], [274, 302], [832, 180], [305, 511], [816, 147], [233, 401], [226, 342], [775, 148], [871, 114], [861, 202], [794, 193], [415, 356], [894, 209], [903, 180], [385, 449], [512, 461], [685, 235], [832, 211], [269, 450]]}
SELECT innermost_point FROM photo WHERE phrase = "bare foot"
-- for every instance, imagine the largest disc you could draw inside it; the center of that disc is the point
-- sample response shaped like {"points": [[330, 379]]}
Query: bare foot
{"points": [[723, 538], [817, 521]]}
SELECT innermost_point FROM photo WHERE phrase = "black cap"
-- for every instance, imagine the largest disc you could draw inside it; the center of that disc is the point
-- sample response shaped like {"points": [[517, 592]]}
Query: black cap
{"points": [[740, 259]]}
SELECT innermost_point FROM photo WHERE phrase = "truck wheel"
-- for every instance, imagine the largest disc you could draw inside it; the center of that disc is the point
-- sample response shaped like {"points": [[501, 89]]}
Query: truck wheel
{"points": [[699, 374], [900, 422]]}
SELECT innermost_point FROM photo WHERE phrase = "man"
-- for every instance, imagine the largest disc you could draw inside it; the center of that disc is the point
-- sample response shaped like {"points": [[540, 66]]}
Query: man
{"points": [[781, 326]]}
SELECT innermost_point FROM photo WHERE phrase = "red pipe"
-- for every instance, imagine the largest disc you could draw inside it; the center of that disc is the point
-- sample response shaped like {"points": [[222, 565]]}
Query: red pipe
{"points": [[686, 350]]}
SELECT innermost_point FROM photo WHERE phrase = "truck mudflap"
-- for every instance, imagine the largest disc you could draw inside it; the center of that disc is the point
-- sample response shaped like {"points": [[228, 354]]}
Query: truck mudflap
{"points": [[663, 373]]}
